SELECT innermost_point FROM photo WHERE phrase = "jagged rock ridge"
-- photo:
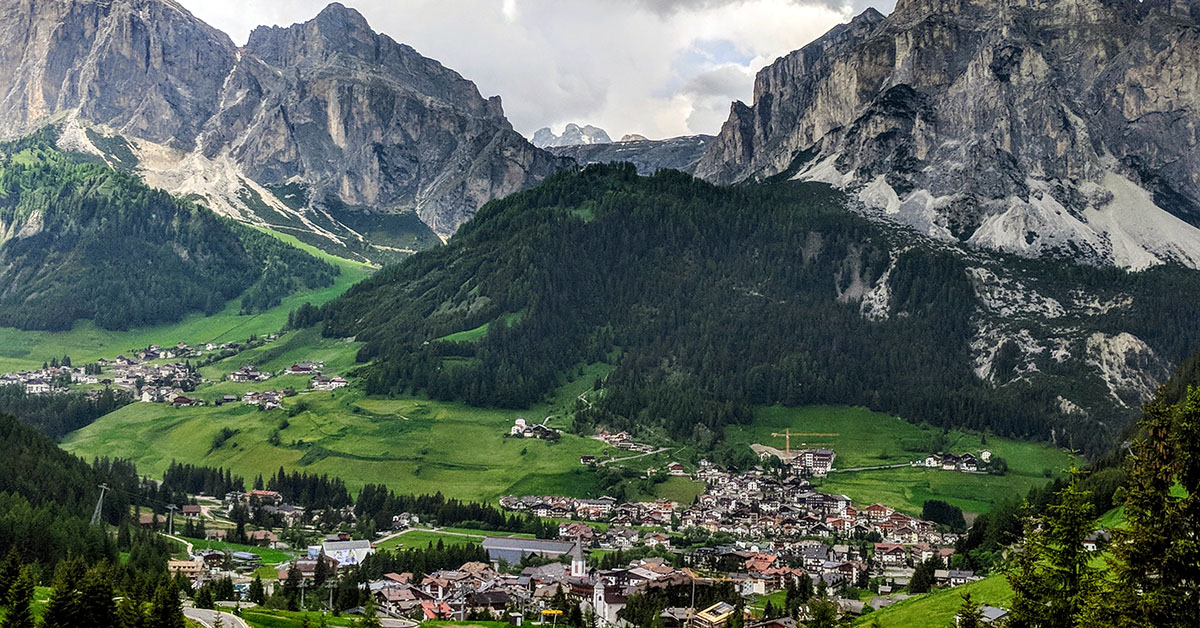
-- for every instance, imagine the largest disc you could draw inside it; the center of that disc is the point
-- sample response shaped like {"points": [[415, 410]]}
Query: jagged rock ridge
{"points": [[649, 156], [572, 135], [344, 118], [1042, 128]]}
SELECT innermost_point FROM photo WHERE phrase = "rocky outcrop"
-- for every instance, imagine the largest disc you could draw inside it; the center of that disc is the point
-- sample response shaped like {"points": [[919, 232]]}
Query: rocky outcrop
{"points": [[572, 135], [1065, 128], [147, 68], [649, 156], [350, 117]]}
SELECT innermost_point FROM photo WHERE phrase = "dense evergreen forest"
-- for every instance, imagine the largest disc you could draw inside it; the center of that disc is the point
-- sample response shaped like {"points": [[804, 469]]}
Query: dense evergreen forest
{"points": [[59, 414], [79, 240], [711, 300]]}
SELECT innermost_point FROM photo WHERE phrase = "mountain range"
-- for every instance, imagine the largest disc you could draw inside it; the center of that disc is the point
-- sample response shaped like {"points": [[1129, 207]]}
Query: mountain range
{"points": [[326, 129]]}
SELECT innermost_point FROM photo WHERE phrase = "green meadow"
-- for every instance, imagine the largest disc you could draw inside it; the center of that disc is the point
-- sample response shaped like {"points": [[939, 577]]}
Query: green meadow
{"points": [[939, 607], [866, 439], [85, 342], [420, 539], [412, 445]]}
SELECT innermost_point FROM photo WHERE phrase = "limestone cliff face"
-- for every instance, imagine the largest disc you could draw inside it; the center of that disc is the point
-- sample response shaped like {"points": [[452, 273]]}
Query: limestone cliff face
{"points": [[1066, 127], [144, 67], [354, 117]]}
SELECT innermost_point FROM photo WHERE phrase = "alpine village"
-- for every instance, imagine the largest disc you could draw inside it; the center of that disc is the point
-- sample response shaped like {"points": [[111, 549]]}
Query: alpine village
{"points": [[896, 324]]}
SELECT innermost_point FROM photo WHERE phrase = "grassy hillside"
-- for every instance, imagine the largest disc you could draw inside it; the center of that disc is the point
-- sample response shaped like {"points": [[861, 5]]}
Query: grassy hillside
{"points": [[938, 608], [413, 445], [868, 439], [85, 341], [84, 241]]}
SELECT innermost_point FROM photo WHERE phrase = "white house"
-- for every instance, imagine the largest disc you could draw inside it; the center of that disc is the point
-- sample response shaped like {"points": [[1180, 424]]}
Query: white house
{"points": [[347, 552]]}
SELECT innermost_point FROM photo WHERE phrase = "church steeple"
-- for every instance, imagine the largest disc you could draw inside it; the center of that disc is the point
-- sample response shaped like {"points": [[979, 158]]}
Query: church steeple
{"points": [[578, 564]]}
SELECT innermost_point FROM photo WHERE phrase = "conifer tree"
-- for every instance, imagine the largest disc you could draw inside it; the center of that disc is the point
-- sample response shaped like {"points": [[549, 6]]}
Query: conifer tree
{"points": [[969, 615], [20, 601], [204, 598], [10, 570], [257, 593], [1155, 566], [1052, 580], [291, 587], [96, 598], [369, 619], [166, 610], [64, 609], [131, 611]]}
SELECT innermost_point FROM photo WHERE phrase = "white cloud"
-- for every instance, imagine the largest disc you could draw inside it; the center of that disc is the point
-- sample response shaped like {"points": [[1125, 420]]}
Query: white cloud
{"points": [[655, 67]]}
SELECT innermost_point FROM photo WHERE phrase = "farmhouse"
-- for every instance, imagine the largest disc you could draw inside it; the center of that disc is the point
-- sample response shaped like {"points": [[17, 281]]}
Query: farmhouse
{"points": [[305, 368], [248, 374], [321, 382]]}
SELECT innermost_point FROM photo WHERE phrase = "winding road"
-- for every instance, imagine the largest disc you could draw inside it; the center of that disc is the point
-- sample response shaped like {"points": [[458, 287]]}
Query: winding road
{"points": [[208, 618]]}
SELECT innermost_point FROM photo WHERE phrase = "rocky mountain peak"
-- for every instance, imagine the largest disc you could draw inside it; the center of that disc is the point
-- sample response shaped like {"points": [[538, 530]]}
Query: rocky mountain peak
{"points": [[1067, 128], [345, 118], [572, 135]]}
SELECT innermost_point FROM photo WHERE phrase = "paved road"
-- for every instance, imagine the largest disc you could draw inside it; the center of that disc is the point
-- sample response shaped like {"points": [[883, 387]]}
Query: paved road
{"points": [[208, 618]]}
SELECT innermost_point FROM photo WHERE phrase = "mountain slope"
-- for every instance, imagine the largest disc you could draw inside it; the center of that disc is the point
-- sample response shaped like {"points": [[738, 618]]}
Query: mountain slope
{"points": [[324, 129], [1066, 129], [79, 240], [716, 299]]}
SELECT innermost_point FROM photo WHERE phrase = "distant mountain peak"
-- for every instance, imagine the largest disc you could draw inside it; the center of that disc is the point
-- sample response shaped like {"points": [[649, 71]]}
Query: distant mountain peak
{"points": [[572, 135]]}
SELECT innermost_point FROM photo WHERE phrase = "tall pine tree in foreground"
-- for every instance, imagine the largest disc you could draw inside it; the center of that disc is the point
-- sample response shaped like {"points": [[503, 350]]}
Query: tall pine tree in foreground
{"points": [[1155, 565], [1051, 579], [20, 602]]}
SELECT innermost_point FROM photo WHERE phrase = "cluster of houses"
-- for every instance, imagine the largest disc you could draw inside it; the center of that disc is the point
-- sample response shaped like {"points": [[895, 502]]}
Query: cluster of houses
{"points": [[164, 381], [785, 514], [249, 373], [963, 463], [42, 381], [267, 399], [478, 587], [806, 462], [524, 429], [622, 440], [271, 503]]}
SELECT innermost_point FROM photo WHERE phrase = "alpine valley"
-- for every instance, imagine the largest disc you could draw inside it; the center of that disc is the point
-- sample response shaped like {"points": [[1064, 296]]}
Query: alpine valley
{"points": [[913, 340]]}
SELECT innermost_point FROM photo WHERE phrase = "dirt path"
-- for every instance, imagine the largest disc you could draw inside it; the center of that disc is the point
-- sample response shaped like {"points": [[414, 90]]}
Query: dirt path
{"points": [[649, 453]]}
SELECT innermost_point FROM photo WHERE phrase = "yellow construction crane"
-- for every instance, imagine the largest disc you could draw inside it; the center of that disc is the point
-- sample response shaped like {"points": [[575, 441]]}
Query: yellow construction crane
{"points": [[788, 434]]}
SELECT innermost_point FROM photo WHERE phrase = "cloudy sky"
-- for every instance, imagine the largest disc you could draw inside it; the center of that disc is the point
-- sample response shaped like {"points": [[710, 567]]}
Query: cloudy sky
{"points": [[656, 67]]}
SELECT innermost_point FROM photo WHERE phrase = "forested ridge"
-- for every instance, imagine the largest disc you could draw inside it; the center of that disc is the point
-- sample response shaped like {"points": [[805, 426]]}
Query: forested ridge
{"points": [[710, 300], [79, 240]]}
